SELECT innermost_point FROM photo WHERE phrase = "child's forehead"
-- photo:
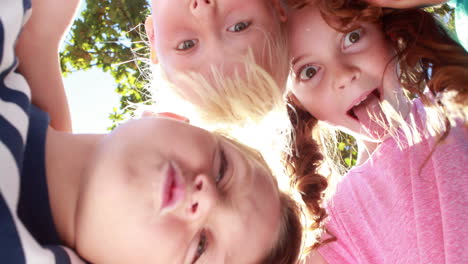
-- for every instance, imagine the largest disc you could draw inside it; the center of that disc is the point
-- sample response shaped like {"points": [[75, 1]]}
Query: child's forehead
{"points": [[249, 153]]}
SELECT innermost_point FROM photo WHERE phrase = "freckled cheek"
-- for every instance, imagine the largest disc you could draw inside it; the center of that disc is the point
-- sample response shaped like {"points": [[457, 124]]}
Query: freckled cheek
{"points": [[375, 61], [383, 51], [384, 61], [306, 103], [312, 100], [300, 96]]}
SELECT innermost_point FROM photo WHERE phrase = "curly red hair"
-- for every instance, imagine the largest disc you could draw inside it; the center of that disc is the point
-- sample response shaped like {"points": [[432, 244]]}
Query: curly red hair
{"points": [[427, 56]]}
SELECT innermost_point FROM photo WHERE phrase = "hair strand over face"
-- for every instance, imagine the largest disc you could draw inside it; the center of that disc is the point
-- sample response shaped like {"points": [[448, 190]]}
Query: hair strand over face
{"points": [[426, 56]]}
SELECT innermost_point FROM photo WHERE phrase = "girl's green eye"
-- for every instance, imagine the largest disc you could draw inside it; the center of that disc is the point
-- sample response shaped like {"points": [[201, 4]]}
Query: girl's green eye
{"points": [[308, 72], [352, 37], [187, 44], [201, 248], [238, 27]]}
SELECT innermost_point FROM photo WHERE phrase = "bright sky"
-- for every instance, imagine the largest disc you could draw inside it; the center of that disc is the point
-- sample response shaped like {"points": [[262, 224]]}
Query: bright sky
{"points": [[91, 96]]}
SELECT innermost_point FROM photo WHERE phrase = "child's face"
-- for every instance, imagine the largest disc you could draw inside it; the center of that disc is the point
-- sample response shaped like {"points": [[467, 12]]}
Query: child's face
{"points": [[341, 77], [162, 191], [196, 35]]}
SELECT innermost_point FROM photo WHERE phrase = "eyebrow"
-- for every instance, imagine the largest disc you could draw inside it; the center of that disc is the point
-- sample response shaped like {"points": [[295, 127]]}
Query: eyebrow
{"points": [[296, 59]]}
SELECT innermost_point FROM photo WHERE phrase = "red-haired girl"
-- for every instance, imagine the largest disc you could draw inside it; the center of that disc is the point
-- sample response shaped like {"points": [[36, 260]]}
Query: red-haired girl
{"points": [[355, 67]]}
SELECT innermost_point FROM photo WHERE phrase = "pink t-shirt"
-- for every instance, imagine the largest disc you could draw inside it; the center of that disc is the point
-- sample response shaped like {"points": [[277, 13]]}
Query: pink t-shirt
{"points": [[386, 211]]}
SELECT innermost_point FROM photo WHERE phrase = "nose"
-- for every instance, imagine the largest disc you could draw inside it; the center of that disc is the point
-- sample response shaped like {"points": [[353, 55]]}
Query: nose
{"points": [[200, 7], [345, 75], [203, 199]]}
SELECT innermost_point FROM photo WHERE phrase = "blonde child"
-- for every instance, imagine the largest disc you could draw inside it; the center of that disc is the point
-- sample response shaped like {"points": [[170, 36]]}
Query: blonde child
{"points": [[228, 46], [153, 191], [404, 202]]}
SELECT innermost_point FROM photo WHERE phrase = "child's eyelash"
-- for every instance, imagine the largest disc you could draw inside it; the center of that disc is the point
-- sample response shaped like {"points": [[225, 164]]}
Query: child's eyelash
{"points": [[201, 246], [203, 240], [352, 37], [222, 168], [303, 74]]}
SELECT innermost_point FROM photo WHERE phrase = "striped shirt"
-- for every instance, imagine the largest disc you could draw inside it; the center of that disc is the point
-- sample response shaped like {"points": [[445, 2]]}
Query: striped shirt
{"points": [[27, 231]]}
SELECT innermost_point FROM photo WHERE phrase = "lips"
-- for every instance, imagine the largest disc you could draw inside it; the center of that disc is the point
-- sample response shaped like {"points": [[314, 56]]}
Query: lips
{"points": [[173, 190], [362, 102], [368, 112]]}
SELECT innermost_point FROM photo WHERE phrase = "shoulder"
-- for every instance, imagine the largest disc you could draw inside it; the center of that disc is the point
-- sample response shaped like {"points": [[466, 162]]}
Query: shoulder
{"points": [[314, 257]]}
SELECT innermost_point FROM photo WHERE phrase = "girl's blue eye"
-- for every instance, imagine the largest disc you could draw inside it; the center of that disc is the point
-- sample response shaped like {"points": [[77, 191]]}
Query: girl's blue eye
{"points": [[222, 167], [352, 37], [308, 72], [187, 44], [201, 247], [238, 27]]}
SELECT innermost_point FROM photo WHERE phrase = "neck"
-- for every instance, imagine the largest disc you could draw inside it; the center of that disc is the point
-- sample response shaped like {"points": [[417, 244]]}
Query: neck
{"points": [[365, 150], [67, 156]]}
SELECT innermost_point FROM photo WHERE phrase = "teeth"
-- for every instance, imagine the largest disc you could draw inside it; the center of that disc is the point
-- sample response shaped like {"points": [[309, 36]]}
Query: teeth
{"points": [[358, 103], [351, 111]]}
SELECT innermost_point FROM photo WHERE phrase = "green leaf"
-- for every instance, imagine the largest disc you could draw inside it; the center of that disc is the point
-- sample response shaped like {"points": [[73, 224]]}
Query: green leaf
{"points": [[106, 35]]}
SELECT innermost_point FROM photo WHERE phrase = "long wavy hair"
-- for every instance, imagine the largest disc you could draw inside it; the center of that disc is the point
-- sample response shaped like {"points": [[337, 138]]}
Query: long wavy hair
{"points": [[427, 57]]}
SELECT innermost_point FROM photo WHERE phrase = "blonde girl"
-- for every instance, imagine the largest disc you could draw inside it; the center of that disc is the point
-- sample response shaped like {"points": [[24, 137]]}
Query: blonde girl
{"points": [[228, 46], [155, 190]]}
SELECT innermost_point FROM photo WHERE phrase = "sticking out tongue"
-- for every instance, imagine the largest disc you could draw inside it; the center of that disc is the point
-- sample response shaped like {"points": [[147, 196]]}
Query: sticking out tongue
{"points": [[369, 113]]}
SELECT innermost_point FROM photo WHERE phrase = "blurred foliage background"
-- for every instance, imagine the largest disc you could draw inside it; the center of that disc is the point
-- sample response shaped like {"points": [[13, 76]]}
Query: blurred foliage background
{"points": [[108, 34]]}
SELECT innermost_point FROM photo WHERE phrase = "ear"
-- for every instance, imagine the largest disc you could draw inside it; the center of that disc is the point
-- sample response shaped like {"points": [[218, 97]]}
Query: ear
{"points": [[149, 27], [280, 10]]}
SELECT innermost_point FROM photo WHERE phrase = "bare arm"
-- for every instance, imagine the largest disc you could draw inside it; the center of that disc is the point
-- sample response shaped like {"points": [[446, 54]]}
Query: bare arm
{"points": [[405, 3], [38, 52]]}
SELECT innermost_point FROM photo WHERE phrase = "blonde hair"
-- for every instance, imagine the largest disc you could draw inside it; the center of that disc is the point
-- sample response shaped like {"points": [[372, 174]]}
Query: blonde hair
{"points": [[245, 96], [248, 94], [289, 243]]}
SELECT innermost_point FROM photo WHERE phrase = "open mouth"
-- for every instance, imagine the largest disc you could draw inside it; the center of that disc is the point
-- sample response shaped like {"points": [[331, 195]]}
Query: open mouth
{"points": [[363, 103], [173, 188]]}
